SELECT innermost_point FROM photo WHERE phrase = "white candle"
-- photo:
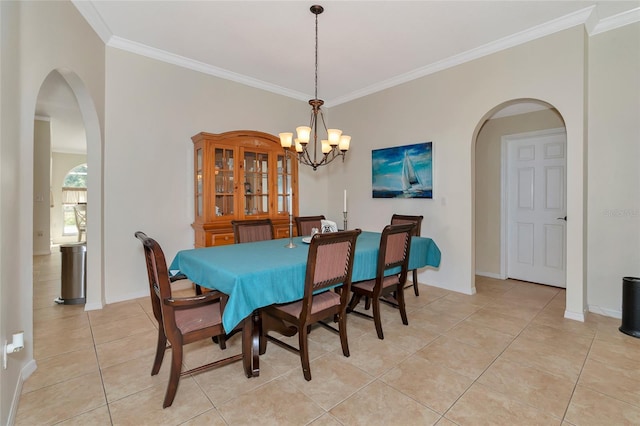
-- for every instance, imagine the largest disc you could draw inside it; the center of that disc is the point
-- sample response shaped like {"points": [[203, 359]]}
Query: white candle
{"points": [[344, 209]]}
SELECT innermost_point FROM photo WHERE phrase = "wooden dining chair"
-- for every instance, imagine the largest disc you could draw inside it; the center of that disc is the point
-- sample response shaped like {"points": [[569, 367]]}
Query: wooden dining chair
{"points": [[247, 231], [417, 221], [180, 320], [395, 244], [304, 224], [329, 264]]}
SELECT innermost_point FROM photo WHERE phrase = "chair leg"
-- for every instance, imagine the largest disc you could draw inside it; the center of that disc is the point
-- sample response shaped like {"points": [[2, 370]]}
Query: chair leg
{"points": [[355, 299], [376, 316], [161, 348], [174, 375], [367, 303], [401, 305], [415, 282], [343, 333], [304, 352]]}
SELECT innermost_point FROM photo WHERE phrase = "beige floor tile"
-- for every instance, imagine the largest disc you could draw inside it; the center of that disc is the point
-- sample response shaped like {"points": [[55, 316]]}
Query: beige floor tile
{"points": [[454, 308], [43, 315], [98, 417], [226, 383], [429, 383], [60, 325], [483, 406], [465, 359], [62, 367], [556, 319], [381, 404], [528, 385], [61, 401], [558, 360], [128, 348], [115, 312], [333, 380], [375, 356], [436, 322], [494, 318], [623, 354], [593, 408], [275, 403], [408, 337], [124, 327], [129, 377], [325, 420], [445, 422], [145, 407], [208, 418], [616, 382], [567, 341], [473, 334], [46, 345]]}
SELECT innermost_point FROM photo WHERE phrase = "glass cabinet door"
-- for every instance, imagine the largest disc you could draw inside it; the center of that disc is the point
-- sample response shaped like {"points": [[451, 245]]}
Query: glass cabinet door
{"points": [[256, 183], [199, 183], [285, 195], [224, 185]]}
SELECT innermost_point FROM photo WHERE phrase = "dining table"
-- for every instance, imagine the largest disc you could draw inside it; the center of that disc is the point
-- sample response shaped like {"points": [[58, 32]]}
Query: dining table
{"points": [[258, 274]]}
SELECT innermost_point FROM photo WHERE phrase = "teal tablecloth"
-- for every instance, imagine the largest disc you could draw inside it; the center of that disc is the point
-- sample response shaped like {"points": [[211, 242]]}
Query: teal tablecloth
{"points": [[259, 274]]}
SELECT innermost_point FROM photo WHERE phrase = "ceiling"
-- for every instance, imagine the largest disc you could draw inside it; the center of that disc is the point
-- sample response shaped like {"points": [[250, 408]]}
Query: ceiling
{"points": [[364, 46]]}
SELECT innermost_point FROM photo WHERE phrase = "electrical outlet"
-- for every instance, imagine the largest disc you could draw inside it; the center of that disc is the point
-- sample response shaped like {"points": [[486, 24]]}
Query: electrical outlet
{"points": [[40, 234]]}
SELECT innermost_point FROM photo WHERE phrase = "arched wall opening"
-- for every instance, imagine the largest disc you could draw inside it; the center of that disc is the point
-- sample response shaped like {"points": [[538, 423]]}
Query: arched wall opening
{"points": [[513, 117], [95, 277]]}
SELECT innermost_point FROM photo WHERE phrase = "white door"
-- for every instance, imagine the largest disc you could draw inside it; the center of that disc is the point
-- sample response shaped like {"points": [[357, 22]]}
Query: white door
{"points": [[536, 207]]}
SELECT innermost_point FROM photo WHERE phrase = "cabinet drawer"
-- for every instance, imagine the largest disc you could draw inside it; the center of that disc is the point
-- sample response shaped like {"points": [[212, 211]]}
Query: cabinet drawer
{"points": [[221, 239]]}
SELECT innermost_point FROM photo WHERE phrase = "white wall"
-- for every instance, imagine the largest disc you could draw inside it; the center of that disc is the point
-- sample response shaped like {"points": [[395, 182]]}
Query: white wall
{"points": [[152, 110], [37, 37], [447, 108], [614, 166], [41, 178]]}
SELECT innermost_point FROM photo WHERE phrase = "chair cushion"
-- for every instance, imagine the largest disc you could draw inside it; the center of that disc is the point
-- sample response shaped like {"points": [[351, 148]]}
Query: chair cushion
{"points": [[369, 284], [321, 301], [197, 318]]}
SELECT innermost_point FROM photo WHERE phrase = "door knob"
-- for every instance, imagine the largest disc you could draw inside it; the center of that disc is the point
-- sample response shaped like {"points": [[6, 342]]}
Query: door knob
{"points": [[563, 218]]}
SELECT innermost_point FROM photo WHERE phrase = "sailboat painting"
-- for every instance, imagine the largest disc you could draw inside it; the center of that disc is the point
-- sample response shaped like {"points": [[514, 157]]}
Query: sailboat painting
{"points": [[403, 171]]}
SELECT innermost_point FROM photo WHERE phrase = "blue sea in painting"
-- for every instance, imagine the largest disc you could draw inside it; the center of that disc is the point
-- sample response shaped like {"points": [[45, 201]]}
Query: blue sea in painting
{"points": [[403, 171]]}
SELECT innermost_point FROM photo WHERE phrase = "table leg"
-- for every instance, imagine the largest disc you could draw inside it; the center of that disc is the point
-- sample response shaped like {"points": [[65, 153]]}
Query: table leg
{"points": [[256, 320], [247, 349]]}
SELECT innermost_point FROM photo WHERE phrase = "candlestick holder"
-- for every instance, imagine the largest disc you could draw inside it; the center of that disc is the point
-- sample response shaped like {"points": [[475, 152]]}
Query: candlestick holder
{"points": [[344, 223], [291, 244]]}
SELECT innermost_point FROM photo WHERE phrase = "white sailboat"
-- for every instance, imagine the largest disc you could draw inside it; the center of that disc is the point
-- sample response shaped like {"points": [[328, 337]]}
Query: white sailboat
{"points": [[410, 179]]}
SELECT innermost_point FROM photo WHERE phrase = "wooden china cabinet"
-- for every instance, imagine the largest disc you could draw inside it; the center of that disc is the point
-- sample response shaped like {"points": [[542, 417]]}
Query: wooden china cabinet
{"points": [[241, 175]]}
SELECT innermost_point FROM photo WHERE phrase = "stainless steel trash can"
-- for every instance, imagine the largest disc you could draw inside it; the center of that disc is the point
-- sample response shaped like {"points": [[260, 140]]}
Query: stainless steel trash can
{"points": [[74, 274], [630, 306]]}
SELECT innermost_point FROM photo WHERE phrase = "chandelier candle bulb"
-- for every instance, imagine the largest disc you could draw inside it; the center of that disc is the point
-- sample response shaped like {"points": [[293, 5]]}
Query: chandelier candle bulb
{"points": [[285, 139], [344, 143], [326, 147], [304, 134], [334, 136]]}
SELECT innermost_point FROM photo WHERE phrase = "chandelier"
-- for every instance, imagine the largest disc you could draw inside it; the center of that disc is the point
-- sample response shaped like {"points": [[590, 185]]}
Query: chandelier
{"points": [[335, 145]]}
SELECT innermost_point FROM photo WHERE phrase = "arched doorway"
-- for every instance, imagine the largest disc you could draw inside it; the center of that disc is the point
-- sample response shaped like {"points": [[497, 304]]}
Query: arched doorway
{"points": [[506, 125], [66, 81]]}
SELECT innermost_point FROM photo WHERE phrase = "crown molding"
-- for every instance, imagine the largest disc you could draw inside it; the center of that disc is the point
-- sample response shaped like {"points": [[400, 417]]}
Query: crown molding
{"points": [[616, 21], [568, 21], [93, 18], [181, 61]]}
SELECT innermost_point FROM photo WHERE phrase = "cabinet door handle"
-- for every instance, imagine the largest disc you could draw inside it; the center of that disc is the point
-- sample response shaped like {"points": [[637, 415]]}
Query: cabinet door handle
{"points": [[562, 218]]}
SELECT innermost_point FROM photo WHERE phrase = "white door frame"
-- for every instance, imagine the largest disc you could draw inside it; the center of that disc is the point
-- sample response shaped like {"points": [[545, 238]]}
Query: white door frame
{"points": [[504, 237]]}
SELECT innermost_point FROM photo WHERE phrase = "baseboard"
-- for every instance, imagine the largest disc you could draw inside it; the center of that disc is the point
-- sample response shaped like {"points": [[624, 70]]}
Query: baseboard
{"points": [[93, 306], [576, 316], [26, 371], [490, 275], [606, 312]]}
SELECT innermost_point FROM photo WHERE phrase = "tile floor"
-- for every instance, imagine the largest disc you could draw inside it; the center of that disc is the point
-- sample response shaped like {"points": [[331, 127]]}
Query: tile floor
{"points": [[503, 356]]}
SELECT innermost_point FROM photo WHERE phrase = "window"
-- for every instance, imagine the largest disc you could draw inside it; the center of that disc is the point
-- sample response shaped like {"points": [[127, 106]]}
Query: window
{"points": [[74, 192]]}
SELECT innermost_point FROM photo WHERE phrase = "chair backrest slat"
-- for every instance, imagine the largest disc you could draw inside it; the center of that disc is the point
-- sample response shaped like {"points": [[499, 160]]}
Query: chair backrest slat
{"points": [[247, 231], [304, 224], [402, 218], [395, 245], [329, 262]]}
